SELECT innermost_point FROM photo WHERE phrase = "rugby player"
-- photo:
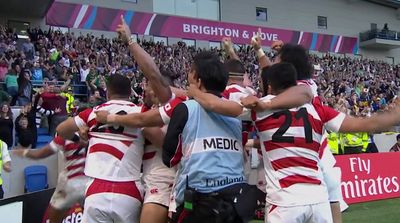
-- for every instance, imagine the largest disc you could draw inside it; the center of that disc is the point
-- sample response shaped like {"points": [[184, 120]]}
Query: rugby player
{"points": [[72, 181]]}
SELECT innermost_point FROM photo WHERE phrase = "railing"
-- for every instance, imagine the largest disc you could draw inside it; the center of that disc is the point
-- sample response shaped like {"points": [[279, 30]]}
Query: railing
{"points": [[380, 34], [79, 90]]}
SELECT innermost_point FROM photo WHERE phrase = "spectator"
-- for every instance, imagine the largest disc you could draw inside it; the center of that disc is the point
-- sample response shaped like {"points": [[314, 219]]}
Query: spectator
{"points": [[37, 72], [28, 113], [3, 68], [12, 82], [29, 49], [396, 146], [4, 97], [52, 100], [24, 88], [40, 111], [68, 94], [25, 135], [6, 125], [93, 79]]}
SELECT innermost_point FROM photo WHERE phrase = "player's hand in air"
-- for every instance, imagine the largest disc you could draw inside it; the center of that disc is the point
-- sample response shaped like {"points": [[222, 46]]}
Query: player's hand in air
{"points": [[256, 40], [227, 44], [101, 116], [123, 31]]}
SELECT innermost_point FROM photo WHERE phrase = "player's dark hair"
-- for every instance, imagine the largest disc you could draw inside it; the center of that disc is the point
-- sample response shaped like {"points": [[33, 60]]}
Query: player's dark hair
{"points": [[234, 67], [298, 56], [279, 76], [211, 71], [118, 84]]}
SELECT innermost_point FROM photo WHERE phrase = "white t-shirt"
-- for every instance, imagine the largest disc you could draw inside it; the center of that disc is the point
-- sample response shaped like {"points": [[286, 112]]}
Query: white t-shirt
{"points": [[84, 74], [5, 154]]}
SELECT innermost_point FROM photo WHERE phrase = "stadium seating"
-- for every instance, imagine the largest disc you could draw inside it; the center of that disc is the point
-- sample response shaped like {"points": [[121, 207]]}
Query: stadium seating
{"points": [[43, 139], [35, 178]]}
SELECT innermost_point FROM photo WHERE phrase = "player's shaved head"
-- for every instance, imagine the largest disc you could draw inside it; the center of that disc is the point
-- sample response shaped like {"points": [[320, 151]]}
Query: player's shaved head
{"points": [[118, 86], [234, 67]]}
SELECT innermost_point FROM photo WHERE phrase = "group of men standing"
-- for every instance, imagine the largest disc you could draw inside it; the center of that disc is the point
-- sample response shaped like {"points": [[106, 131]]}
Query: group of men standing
{"points": [[192, 143]]}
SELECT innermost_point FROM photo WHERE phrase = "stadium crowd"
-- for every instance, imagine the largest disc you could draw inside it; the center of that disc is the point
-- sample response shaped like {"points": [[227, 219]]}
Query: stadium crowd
{"points": [[79, 65], [357, 86]]}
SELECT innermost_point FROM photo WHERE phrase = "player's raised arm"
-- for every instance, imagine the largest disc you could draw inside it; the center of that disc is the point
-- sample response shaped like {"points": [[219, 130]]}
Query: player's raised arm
{"points": [[146, 63], [228, 47], [263, 60]]}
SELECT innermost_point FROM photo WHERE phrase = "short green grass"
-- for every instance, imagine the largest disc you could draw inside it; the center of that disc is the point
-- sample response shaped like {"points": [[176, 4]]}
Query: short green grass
{"points": [[383, 211]]}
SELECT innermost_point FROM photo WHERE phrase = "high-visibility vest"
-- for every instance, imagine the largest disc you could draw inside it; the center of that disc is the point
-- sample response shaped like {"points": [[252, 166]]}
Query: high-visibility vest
{"points": [[354, 140], [1, 161], [333, 142], [365, 139], [70, 102]]}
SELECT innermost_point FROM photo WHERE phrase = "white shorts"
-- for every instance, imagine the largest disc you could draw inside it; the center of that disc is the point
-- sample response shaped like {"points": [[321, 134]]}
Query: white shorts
{"points": [[118, 202], [254, 170], [69, 191], [158, 180], [314, 213], [158, 191]]}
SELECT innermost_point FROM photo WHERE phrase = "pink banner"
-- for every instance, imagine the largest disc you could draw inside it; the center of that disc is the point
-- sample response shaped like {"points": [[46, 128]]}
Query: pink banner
{"points": [[99, 18], [369, 177], [73, 215]]}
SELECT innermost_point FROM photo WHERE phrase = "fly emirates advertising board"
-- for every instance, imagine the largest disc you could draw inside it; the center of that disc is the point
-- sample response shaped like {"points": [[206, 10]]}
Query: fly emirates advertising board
{"points": [[368, 177]]}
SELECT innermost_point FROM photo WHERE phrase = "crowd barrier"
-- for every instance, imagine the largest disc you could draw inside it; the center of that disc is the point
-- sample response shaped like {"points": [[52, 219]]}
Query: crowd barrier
{"points": [[27, 208], [14, 182], [74, 215], [370, 176], [33, 208], [79, 90]]}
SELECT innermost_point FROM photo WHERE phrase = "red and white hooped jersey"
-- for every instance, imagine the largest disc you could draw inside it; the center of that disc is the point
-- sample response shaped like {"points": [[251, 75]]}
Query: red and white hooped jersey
{"points": [[167, 110], [311, 83], [290, 142], [115, 152], [153, 166], [234, 93], [74, 154]]}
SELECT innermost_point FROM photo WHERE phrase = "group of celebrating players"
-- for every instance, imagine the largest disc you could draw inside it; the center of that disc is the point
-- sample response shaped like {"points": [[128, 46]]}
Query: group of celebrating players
{"points": [[183, 156]]}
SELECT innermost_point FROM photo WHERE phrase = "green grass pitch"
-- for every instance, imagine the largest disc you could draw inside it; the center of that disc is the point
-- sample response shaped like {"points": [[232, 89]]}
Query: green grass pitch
{"points": [[383, 211]]}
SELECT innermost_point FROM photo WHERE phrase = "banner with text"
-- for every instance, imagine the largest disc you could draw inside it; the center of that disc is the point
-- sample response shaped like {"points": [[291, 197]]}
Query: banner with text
{"points": [[107, 19], [73, 215], [368, 177]]}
